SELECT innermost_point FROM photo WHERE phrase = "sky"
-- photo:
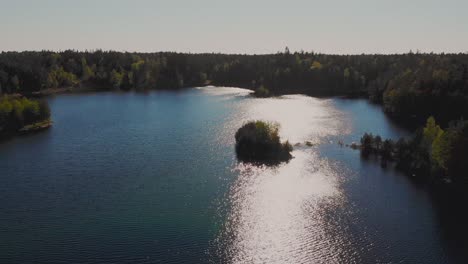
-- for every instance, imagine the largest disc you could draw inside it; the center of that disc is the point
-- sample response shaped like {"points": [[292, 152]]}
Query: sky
{"points": [[236, 26]]}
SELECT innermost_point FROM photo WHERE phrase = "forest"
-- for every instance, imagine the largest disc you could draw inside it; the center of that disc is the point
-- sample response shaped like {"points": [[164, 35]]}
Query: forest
{"points": [[411, 86]]}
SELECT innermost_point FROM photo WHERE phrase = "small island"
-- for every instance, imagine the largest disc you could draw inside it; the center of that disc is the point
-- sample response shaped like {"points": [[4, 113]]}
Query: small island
{"points": [[20, 115], [258, 141], [261, 92]]}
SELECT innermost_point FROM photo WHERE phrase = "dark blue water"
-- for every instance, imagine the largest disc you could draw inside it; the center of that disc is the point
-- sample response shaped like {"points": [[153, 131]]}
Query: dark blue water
{"points": [[153, 178]]}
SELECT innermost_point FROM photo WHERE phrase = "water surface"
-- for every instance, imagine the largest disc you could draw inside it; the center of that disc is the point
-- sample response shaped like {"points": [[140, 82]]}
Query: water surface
{"points": [[153, 178]]}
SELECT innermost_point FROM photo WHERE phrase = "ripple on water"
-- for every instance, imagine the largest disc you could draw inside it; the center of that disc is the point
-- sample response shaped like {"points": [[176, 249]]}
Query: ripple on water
{"points": [[142, 179], [277, 213]]}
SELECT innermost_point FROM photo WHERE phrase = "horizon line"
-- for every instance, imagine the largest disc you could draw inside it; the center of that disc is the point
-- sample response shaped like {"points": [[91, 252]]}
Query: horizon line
{"points": [[236, 53]]}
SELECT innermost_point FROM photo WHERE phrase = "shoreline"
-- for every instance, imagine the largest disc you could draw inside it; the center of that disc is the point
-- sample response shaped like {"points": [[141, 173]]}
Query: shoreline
{"points": [[63, 90], [35, 127], [90, 88], [27, 130]]}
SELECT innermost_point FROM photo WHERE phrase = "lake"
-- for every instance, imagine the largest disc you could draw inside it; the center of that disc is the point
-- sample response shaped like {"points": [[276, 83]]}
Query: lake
{"points": [[153, 178]]}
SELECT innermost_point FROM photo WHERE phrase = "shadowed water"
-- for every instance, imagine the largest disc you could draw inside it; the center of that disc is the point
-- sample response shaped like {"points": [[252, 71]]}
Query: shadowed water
{"points": [[153, 178]]}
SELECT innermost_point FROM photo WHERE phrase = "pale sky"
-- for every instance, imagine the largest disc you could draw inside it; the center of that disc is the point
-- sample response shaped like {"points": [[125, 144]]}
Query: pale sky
{"points": [[236, 26]]}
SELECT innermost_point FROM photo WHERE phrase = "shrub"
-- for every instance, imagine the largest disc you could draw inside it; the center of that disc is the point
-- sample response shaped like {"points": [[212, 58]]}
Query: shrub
{"points": [[262, 92], [260, 141]]}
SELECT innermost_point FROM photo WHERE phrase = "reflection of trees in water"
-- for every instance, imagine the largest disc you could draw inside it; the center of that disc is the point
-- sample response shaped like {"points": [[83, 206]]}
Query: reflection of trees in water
{"points": [[450, 207]]}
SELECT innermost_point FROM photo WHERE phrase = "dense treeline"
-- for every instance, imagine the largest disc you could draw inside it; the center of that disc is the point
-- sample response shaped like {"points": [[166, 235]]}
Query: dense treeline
{"points": [[411, 86], [432, 153], [21, 114]]}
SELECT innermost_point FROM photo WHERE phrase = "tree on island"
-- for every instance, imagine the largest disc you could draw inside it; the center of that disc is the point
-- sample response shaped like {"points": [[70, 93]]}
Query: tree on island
{"points": [[261, 92], [19, 114], [259, 141]]}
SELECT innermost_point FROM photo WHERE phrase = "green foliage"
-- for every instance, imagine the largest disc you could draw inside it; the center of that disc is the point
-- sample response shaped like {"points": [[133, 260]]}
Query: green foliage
{"points": [[316, 65], [116, 79], [439, 143], [86, 71], [60, 78], [432, 154], [432, 131], [260, 141], [346, 73], [442, 148], [262, 92], [17, 112], [267, 132], [136, 66]]}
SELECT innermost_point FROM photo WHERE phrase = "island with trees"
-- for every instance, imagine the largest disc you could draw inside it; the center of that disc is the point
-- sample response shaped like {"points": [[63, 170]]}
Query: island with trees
{"points": [[19, 115], [432, 154], [259, 141], [261, 92]]}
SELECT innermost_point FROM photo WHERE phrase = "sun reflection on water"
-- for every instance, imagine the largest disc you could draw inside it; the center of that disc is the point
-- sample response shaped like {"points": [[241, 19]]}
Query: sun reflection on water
{"points": [[301, 118], [279, 214], [275, 215]]}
